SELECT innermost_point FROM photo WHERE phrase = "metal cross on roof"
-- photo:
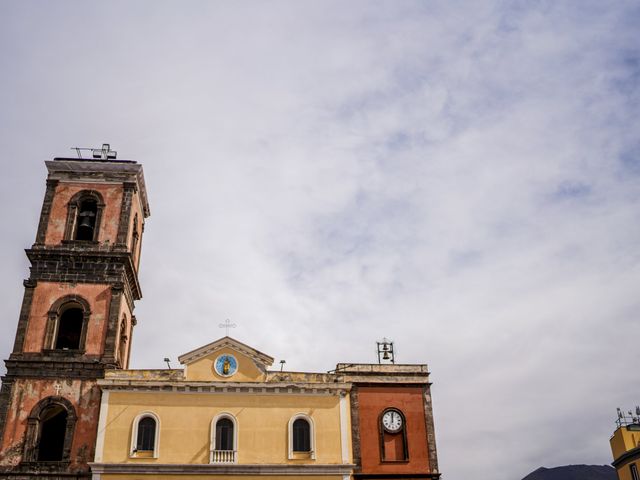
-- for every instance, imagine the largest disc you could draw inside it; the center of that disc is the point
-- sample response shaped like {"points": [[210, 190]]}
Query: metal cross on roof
{"points": [[227, 325]]}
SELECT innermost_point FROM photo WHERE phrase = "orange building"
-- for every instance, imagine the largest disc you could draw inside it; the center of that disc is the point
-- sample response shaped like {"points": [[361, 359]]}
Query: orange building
{"points": [[392, 421]]}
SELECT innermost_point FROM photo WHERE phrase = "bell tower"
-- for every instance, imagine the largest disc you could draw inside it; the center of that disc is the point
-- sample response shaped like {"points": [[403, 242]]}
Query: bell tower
{"points": [[76, 318]]}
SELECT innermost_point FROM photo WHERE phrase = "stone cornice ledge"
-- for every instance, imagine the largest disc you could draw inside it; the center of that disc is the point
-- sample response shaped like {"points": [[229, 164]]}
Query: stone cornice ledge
{"points": [[224, 387], [221, 469]]}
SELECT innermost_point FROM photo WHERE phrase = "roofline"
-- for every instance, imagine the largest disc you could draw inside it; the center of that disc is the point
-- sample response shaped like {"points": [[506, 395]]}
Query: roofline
{"points": [[263, 356], [119, 170]]}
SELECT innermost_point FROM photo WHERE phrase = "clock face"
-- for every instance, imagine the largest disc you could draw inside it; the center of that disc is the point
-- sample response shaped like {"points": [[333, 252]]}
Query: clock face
{"points": [[226, 365], [392, 421]]}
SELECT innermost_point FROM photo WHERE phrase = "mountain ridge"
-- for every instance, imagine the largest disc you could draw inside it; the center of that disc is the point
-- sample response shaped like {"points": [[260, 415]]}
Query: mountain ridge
{"points": [[574, 472]]}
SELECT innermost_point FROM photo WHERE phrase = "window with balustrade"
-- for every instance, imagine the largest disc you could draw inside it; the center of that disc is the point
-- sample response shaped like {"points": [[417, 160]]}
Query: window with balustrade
{"points": [[224, 439]]}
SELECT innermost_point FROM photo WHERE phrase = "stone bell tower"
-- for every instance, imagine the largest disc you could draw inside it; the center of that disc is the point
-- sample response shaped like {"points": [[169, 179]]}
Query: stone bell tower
{"points": [[77, 316]]}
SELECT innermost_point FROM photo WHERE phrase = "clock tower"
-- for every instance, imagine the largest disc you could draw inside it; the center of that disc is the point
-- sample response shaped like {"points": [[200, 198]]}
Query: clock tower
{"points": [[76, 319]]}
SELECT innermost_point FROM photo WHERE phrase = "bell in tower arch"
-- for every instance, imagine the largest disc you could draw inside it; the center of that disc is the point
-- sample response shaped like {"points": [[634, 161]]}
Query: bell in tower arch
{"points": [[86, 220]]}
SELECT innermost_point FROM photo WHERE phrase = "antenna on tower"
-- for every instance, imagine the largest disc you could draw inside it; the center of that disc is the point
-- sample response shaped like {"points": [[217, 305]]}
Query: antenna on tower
{"points": [[104, 153], [628, 418]]}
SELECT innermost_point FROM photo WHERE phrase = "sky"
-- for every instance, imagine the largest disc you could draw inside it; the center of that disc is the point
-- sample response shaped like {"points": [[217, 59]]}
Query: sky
{"points": [[459, 177]]}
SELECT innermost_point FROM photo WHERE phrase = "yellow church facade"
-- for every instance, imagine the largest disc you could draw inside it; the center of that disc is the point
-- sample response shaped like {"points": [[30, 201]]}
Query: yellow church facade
{"points": [[223, 414]]}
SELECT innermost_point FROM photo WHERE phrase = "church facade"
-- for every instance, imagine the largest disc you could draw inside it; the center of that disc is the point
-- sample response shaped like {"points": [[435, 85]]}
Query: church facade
{"points": [[71, 408]]}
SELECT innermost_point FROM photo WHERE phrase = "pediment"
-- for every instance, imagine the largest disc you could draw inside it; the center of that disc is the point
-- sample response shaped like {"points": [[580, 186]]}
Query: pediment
{"points": [[201, 362]]}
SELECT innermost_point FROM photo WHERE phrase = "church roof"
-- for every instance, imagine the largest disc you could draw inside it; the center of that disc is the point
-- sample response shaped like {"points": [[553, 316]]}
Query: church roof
{"points": [[226, 342]]}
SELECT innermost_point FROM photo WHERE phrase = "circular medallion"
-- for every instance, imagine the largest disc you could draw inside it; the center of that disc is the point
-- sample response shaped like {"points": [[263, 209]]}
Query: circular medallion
{"points": [[226, 365]]}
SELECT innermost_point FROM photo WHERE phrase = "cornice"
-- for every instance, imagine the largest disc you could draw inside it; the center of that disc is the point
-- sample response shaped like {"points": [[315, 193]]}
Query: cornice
{"points": [[73, 265], [627, 456], [238, 388], [222, 469], [89, 170]]}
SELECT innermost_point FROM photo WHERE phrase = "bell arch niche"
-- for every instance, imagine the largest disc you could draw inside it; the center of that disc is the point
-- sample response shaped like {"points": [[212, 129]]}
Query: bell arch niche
{"points": [[67, 323], [84, 215], [50, 428]]}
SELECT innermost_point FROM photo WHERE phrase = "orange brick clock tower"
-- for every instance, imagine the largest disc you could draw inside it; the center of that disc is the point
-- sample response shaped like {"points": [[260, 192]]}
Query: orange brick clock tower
{"points": [[76, 319]]}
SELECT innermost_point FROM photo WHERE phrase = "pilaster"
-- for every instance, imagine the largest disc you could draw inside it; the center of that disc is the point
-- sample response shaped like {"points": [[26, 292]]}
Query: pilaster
{"points": [[431, 433], [109, 356], [129, 189], [25, 310], [46, 211]]}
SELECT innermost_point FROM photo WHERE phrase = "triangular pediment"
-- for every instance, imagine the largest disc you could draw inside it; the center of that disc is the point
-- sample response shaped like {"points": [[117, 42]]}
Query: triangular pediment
{"points": [[201, 362], [226, 342]]}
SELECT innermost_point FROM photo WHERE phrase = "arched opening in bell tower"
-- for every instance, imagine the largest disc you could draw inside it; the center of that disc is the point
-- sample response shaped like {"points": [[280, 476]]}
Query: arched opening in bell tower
{"points": [[53, 429], [70, 329], [49, 433], [87, 219]]}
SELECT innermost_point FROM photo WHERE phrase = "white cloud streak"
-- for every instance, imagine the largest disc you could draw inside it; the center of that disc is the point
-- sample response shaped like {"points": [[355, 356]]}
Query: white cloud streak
{"points": [[460, 176]]}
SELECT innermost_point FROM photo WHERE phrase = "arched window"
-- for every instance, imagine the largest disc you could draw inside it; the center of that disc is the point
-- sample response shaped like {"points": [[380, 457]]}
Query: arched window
{"points": [[301, 437], [67, 324], [83, 216], [69, 329], [53, 425], [224, 441], [144, 440], [49, 432]]}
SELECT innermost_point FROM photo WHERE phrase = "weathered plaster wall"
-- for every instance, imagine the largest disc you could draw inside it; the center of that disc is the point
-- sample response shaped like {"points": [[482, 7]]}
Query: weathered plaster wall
{"points": [[112, 195], [83, 394], [125, 313], [45, 295]]}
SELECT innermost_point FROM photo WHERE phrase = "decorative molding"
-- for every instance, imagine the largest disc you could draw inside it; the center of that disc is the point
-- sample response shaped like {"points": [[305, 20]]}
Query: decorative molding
{"points": [[254, 388], [81, 263], [220, 469]]}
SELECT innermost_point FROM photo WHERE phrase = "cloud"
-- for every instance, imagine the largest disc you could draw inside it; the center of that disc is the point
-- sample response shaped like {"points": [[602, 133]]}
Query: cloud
{"points": [[459, 177]]}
